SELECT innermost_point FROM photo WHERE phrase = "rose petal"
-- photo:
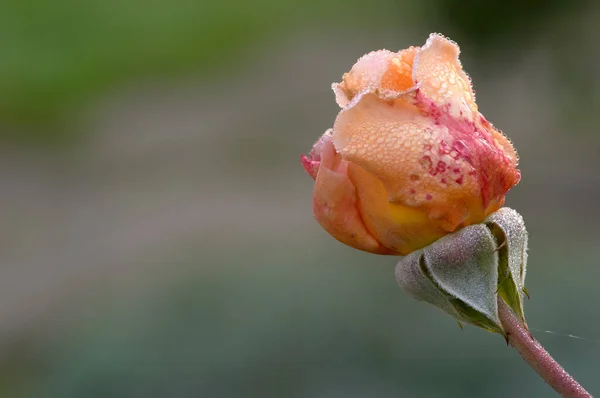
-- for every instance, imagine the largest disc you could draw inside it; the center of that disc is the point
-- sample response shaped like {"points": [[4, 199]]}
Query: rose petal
{"points": [[335, 203], [412, 155], [398, 78], [310, 166], [400, 228], [387, 74], [365, 76], [440, 76]]}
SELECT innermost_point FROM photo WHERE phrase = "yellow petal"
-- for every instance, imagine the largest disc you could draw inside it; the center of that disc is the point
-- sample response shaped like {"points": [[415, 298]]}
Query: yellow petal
{"points": [[400, 228]]}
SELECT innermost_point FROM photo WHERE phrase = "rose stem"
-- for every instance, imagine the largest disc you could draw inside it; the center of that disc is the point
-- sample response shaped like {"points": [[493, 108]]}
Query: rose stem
{"points": [[537, 357]]}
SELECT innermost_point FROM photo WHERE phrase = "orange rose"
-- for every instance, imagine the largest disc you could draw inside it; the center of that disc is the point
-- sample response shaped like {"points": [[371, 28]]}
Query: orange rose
{"points": [[410, 158]]}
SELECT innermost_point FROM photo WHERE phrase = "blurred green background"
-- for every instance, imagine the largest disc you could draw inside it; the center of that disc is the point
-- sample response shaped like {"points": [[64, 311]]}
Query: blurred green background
{"points": [[157, 237]]}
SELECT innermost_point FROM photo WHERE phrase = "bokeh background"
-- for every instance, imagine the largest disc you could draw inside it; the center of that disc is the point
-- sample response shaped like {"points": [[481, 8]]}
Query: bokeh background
{"points": [[157, 238]]}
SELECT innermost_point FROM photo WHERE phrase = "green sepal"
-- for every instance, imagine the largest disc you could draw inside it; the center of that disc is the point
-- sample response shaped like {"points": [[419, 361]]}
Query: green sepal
{"points": [[458, 274], [464, 272], [508, 228]]}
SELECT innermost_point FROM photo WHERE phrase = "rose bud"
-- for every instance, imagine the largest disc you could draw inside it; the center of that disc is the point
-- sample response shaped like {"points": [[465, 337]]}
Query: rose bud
{"points": [[410, 158]]}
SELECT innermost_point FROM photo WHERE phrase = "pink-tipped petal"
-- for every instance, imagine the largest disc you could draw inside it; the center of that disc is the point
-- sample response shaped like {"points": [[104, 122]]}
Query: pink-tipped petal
{"points": [[440, 77]]}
